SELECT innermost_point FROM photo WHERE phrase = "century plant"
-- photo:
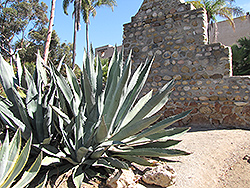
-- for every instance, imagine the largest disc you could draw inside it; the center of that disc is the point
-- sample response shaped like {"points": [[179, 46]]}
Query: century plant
{"points": [[107, 127], [13, 160], [28, 99]]}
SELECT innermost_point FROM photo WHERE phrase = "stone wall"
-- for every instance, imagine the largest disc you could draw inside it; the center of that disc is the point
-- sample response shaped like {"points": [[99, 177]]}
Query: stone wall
{"points": [[176, 34]]}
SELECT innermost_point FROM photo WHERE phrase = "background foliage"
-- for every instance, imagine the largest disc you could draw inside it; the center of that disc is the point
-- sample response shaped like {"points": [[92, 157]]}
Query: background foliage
{"points": [[23, 29], [241, 57]]}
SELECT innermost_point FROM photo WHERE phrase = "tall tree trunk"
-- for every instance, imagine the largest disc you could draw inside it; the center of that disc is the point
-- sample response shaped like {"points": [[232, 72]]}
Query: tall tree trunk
{"points": [[87, 36], [50, 29], [74, 43]]}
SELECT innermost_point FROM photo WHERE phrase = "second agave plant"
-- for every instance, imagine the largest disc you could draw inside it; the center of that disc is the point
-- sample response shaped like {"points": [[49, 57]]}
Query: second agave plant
{"points": [[108, 127]]}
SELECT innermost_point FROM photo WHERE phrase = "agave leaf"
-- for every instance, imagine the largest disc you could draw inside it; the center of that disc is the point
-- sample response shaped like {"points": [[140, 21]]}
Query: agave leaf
{"points": [[169, 133], [88, 66], [63, 87], [21, 109], [100, 104], [97, 153], [61, 169], [69, 144], [31, 97], [7, 79], [117, 97], [137, 108], [159, 144], [29, 175], [152, 152], [102, 131], [53, 151], [81, 153], [133, 129], [114, 75], [140, 70], [117, 163], [79, 128], [75, 88], [139, 78], [28, 78], [159, 126], [78, 176], [88, 92], [43, 182], [166, 90], [69, 159], [64, 104], [64, 117], [49, 116], [19, 69], [152, 106], [40, 70], [136, 159], [111, 70], [19, 165], [10, 119], [40, 130], [14, 149], [5, 102], [103, 163], [153, 103], [4, 155], [99, 78], [61, 63], [49, 160], [50, 95]]}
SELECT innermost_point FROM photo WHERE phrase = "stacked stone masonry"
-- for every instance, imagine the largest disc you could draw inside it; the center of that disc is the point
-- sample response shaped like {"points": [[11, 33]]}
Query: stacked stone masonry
{"points": [[176, 34]]}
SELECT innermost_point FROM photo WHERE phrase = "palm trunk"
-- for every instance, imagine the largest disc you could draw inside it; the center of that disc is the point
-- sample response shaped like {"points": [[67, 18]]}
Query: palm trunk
{"points": [[87, 36], [51, 21], [74, 44]]}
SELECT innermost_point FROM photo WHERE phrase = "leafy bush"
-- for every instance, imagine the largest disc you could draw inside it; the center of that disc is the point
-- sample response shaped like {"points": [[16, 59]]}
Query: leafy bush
{"points": [[241, 57]]}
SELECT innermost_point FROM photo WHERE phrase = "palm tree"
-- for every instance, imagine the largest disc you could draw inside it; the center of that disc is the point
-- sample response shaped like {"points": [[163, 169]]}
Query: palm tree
{"points": [[76, 15], [86, 8], [89, 8], [223, 8]]}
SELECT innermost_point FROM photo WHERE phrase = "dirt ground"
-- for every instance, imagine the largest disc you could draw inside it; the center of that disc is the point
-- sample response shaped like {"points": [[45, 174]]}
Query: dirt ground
{"points": [[219, 159]]}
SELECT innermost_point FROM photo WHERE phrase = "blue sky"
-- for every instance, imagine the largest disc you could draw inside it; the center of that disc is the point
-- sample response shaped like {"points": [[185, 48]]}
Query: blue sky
{"points": [[106, 27]]}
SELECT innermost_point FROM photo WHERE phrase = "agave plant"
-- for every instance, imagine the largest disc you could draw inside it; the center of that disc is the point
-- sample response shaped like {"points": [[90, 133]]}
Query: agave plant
{"points": [[103, 127], [28, 99], [13, 160]]}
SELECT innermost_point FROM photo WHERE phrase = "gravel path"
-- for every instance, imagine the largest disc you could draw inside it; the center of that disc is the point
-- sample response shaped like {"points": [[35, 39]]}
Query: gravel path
{"points": [[216, 160]]}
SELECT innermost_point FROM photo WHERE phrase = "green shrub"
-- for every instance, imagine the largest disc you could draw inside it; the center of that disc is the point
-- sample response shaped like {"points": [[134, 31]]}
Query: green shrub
{"points": [[241, 57]]}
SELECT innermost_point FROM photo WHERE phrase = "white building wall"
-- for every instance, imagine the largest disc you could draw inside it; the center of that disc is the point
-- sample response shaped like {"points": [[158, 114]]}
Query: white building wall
{"points": [[227, 35]]}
